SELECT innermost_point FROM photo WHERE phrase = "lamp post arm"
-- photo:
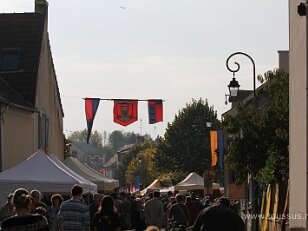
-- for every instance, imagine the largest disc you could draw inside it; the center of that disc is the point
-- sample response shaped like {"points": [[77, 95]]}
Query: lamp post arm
{"points": [[238, 68]]}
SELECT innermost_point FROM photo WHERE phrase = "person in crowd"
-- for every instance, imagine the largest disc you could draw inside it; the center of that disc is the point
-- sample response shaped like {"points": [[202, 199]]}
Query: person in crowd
{"points": [[168, 206], [149, 197], [42, 211], [236, 206], [154, 211], [8, 209], [178, 213], [207, 203], [125, 209], [56, 200], [24, 220], [117, 202], [73, 213], [139, 216], [133, 208], [152, 228], [106, 219], [94, 206], [36, 196], [172, 201], [192, 210], [169, 194], [196, 202], [219, 217]]}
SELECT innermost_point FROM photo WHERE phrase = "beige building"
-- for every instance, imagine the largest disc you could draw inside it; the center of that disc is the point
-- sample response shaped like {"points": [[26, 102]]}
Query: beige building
{"points": [[31, 114], [298, 117]]}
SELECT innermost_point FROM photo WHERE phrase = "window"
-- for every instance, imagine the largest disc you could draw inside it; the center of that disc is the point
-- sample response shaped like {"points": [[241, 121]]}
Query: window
{"points": [[44, 129], [9, 59]]}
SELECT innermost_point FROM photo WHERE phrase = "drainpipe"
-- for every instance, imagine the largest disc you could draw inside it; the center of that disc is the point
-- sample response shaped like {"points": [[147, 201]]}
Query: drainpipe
{"points": [[0, 138], [2, 110]]}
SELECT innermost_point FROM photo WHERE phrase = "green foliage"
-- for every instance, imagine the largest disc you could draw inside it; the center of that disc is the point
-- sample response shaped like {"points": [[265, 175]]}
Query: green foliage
{"points": [[96, 137], [261, 137], [131, 156], [186, 144], [67, 147], [116, 140], [142, 165], [172, 178]]}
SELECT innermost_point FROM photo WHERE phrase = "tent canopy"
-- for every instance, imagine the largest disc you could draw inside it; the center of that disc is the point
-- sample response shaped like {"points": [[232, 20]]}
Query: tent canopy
{"points": [[92, 187], [155, 185], [41, 173], [193, 182], [103, 183], [165, 190]]}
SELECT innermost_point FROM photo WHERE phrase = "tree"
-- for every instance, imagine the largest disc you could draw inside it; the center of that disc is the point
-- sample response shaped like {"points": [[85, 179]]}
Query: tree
{"points": [[118, 139], [131, 155], [186, 143], [142, 165], [96, 137], [67, 147], [264, 138]]}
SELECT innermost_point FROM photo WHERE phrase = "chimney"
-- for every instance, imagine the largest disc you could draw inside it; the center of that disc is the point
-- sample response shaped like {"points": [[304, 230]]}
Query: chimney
{"points": [[41, 7], [284, 60]]}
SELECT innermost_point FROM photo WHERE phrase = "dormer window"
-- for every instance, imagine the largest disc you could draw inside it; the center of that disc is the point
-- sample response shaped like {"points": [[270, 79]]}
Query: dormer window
{"points": [[9, 59]]}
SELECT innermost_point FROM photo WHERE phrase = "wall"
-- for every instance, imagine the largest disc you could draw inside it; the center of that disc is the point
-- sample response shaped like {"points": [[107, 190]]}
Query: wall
{"points": [[47, 100], [18, 136], [298, 116]]}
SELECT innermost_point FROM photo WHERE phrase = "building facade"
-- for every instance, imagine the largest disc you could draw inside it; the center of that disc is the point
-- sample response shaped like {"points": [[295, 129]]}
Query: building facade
{"points": [[31, 113], [298, 147]]}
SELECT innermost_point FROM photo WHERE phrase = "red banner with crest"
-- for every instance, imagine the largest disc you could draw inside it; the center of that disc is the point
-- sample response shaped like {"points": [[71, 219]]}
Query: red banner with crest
{"points": [[125, 112]]}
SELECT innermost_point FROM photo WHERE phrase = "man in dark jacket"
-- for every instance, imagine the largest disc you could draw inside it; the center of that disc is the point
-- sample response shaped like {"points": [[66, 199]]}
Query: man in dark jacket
{"points": [[93, 207], [219, 217], [178, 212]]}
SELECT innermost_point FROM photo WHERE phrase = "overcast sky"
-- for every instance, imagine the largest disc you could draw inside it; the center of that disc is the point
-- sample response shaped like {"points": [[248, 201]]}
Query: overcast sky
{"points": [[173, 50]]}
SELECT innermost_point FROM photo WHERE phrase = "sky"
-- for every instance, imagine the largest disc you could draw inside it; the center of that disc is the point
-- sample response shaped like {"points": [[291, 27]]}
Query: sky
{"points": [[174, 50]]}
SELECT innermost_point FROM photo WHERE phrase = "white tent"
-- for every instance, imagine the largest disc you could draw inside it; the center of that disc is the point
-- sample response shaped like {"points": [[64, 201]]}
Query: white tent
{"points": [[92, 187], [103, 183], [165, 190], [155, 185], [192, 182], [41, 173]]}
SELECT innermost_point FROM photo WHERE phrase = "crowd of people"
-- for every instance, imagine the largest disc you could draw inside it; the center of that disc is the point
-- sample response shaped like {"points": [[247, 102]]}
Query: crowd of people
{"points": [[118, 211]]}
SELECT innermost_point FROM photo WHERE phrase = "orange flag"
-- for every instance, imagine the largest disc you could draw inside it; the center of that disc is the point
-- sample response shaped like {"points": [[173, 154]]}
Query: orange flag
{"points": [[213, 135]]}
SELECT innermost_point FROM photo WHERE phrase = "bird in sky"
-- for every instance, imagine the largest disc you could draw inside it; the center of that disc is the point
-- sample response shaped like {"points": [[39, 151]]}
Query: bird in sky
{"points": [[123, 7]]}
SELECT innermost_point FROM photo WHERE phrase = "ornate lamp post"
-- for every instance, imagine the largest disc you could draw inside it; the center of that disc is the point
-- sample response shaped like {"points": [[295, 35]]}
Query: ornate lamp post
{"points": [[234, 85], [234, 89]]}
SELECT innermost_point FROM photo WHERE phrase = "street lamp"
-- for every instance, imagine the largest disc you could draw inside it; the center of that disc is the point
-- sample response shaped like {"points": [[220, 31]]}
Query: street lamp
{"points": [[234, 85], [234, 89]]}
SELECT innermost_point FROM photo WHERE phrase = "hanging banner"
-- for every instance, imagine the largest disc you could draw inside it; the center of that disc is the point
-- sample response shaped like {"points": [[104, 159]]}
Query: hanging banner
{"points": [[213, 135], [125, 112], [155, 109], [135, 185], [91, 105]]}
